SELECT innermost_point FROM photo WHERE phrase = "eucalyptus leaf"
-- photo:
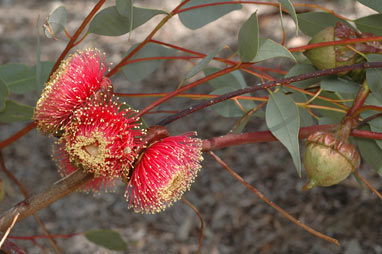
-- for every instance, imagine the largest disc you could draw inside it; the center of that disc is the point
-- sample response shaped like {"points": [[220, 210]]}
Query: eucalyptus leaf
{"points": [[15, 112], [137, 71], [19, 78], [282, 118], [45, 69], [199, 17], [305, 118], [234, 80], [370, 151], [292, 12], [4, 92], [311, 23], [110, 22], [370, 24], [203, 63], [56, 22], [249, 39], [373, 4], [335, 84], [230, 108], [270, 49], [298, 69], [106, 238], [374, 77], [334, 115]]}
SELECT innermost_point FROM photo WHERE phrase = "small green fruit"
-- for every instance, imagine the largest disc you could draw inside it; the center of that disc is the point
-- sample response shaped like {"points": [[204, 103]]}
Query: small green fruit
{"points": [[332, 56], [328, 160]]}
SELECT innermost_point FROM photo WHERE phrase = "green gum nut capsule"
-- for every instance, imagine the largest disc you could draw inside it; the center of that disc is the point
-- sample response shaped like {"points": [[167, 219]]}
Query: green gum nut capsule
{"points": [[330, 56], [328, 160]]}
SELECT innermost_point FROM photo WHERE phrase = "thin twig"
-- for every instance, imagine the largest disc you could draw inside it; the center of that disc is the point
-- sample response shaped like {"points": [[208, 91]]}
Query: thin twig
{"points": [[201, 221], [368, 185], [25, 194], [273, 205], [9, 229], [267, 85]]}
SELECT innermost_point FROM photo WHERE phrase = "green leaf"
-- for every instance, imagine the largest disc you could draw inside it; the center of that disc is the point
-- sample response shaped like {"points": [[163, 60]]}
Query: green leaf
{"points": [[311, 23], [283, 121], [56, 22], [334, 115], [124, 7], [373, 4], [46, 68], [4, 92], [19, 78], [370, 151], [374, 77], [370, 24], [107, 238], [137, 71], [305, 118], [335, 84], [110, 23], [203, 63], [15, 112], [298, 69], [292, 12], [230, 108], [376, 126], [234, 80], [249, 39], [199, 17], [269, 49]]}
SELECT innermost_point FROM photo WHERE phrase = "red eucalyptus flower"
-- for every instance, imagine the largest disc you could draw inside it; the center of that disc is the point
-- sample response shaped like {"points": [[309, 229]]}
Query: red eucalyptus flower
{"points": [[78, 77], [61, 156], [102, 138], [164, 172]]}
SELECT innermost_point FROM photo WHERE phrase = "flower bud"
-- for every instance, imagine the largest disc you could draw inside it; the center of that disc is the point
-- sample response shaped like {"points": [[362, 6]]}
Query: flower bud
{"points": [[328, 159]]}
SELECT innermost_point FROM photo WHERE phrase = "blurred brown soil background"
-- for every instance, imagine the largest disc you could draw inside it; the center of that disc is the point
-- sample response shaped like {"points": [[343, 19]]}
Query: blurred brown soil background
{"points": [[236, 221]]}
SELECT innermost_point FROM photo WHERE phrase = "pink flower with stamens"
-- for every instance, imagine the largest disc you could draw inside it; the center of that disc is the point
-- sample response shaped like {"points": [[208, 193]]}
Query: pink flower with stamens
{"points": [[78, 77], [164, 171], [102, 138], [61, 156]]}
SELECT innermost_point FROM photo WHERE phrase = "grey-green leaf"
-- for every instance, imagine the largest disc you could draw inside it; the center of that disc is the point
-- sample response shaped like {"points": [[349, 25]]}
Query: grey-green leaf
{"points": [[311, 23], [137, 71], [370, 152], [374, 77], [203, 63], [110, 22], [15, 112], [230, 108], [234, 80], [46, 68], [292, 12], [373, 4], [107, 238], [283, 121], [270, 49], [19, 78], [370, 24], [124, 7], [249, 39], [199, 17], [4, 92], [56, 21], [298, 69], [340, 85]]}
